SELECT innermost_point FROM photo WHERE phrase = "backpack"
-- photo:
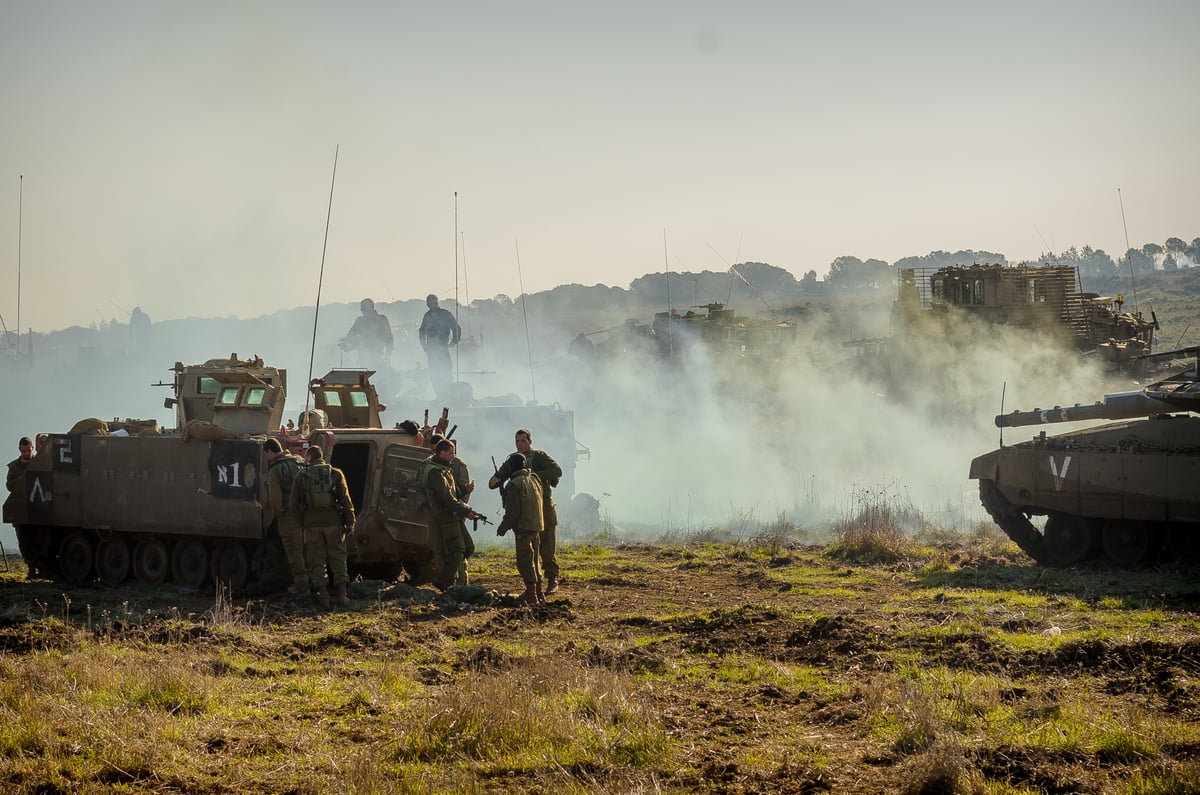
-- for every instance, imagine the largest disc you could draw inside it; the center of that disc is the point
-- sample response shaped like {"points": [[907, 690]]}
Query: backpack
{"points": [[316, 487], [422, 489], [289, 467]]}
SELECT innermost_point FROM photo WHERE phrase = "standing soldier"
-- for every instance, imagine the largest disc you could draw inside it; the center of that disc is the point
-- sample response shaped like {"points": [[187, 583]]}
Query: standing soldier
{"points": [[523, 513], [15, 482], [548, 472], [448, 531], [282, 469], [321, 502], [462, 479], [439, 330]]}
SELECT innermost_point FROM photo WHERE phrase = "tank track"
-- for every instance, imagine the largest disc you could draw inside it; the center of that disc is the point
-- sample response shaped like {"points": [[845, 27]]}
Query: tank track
{"points": [[1013, 522]]}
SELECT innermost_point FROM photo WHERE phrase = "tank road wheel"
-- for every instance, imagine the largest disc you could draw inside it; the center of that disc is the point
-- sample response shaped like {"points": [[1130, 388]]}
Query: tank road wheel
{"points": [[230, 565], [112, 561], [1183, 542], [1070, 539], [1128, 542], [75, 558], [189, 563], [151, 562]]}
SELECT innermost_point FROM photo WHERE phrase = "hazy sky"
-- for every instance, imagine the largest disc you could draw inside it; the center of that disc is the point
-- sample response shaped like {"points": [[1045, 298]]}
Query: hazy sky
{"points": [[178, 155]]}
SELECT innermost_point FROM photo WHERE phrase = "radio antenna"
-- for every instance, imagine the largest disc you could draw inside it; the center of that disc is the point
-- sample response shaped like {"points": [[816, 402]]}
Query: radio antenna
{"points": [[1003, 389], [317, 309], [20, 223], [1129, 259], [525, 313], [457, 304]]}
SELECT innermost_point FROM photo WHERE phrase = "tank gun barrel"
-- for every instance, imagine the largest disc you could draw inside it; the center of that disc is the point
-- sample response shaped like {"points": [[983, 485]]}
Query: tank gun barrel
{"points": [[1114, 406]]}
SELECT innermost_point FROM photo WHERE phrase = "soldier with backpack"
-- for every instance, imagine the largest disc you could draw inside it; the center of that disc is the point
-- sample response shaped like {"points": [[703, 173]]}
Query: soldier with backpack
{"points": [[320, 499], [523, 514], [282, 469]]}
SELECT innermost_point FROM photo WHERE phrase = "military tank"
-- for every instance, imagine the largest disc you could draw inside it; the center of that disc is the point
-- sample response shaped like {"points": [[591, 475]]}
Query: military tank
{"points": [[128, 500], [1128, 491]]}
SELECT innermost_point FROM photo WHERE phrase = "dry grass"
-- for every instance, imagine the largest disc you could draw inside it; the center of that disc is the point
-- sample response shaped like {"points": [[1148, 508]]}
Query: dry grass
{"points": [[719, 667]]}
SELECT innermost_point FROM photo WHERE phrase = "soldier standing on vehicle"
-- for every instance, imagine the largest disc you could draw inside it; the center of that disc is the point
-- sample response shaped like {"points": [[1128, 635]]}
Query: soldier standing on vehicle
{"points": [[548, 472], [438, 332], [523, 514], [320, 500], [15, 482], [448, 530], [371, 335], [282, 468]]}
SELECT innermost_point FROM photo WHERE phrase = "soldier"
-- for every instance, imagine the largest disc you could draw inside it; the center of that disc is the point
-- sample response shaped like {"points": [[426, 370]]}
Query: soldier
{"points": [[523, 513], [15, 482], [439, 330], [462, 479], [320, 500], [371, 335], [282, 469], [448, 531], [548, 472]]}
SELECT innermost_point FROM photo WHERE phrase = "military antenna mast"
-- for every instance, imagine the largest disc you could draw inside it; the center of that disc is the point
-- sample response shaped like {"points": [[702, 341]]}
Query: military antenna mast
{"points": [[20, 221], [317, 309], [1124, 226], [667, 277], [525, 313], [457, 303]]}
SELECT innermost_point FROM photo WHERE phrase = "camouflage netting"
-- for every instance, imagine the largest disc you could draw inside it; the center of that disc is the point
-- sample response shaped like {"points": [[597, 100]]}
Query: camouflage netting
{"points": [[90, 427], [204, 431]]}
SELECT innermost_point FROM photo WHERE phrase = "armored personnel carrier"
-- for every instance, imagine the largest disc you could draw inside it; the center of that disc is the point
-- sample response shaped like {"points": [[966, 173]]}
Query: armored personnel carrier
{"points": [[128, 500], [1046, 298], [1128, 491]]}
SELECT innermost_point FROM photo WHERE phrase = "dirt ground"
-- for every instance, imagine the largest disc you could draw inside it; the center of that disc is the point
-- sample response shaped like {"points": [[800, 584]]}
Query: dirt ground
{"points": [[787, 671]]}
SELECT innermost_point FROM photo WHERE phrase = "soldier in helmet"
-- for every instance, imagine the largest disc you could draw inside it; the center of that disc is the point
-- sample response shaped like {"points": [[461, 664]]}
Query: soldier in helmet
{"points": [[548, 472], [523, 514], [438, 332], [320, 499], [282, 468], [371, 335]]}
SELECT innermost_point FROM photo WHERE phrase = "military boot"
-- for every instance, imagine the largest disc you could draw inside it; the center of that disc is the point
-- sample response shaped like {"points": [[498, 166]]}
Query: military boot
{"points": [[537, 592], [339, 593], [551, 585], [323, 595], [530, 597]]}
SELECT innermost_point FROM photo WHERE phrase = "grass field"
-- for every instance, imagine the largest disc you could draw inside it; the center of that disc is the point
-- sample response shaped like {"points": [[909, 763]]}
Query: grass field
{"points": [[733, 666]]}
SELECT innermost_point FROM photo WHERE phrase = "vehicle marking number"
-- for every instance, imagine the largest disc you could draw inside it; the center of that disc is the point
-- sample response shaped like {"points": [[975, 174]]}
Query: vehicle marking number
{"points": [[1059, 476]]}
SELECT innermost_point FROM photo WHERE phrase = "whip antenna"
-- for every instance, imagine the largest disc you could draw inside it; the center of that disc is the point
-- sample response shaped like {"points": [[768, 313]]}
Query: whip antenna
{"points": [[1129, 259], [20, 222], [667, 277], [457, 362], [525, 313], [1003, 388], [317, 309]]}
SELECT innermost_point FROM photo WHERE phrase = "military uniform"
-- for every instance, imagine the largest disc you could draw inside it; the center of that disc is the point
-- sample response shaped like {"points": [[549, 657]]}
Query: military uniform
{"points": [[523, 514], [462, 477], [437, 332], [34, 549], [548, 472], [320, 500], [448, 531], [281, 474]]}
